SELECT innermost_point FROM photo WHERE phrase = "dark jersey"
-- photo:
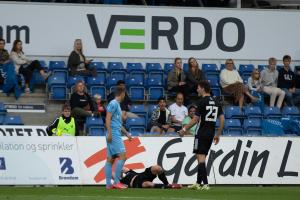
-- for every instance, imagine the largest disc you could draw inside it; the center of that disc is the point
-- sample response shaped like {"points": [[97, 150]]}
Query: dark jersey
{"points": [[128, 177], [208, 109]]}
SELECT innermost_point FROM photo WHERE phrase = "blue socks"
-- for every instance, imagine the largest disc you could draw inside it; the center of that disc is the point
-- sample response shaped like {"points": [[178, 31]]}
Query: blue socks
{"points": [[108, 171], [118, 170]]}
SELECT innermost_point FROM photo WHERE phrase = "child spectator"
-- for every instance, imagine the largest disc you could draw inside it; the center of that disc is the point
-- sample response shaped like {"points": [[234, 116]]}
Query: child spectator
{"points": [[65, 125], [99, 105], [256, 88]]}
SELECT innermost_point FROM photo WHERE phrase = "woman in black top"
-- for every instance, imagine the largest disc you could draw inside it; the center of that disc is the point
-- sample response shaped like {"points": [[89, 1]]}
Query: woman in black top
{"points": [[194, 76], [77, 63]]}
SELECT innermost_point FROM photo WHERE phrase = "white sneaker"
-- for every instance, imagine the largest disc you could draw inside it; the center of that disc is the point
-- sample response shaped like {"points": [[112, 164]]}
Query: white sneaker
{"points": [[205, 187], [195, 186]]}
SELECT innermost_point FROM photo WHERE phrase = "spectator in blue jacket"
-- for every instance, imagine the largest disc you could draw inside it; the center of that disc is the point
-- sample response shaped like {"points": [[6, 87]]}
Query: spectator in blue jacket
{"points": [[287, 81]]}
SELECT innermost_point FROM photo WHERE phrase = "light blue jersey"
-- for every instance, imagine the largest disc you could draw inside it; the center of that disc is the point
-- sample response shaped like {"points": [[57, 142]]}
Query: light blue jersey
{"points": [[116, 115], [116, 146]]}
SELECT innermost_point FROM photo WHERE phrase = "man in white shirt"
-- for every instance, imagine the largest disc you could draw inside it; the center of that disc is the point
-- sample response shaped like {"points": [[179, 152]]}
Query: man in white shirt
{"points": [[178, 112]]}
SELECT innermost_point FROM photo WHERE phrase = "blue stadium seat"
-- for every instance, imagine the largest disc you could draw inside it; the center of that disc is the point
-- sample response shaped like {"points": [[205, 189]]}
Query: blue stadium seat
{"points": [[112, 81], [94, 126], [211, 71], [246, 70], [215, 86], [272, 113], [233, 112], [168, 67], [137, 93], [58, 92], [155, 93], [43, 64], [292, 112], [154, 82], [253, 112], [136, 126], [99, 66], [2, 117], [185, 67], [72, 80], [252, 127], [134, 81], [57, 89], [135, 67], [117, 70], [12, 120], [233, 127], [155, 71], [113, 66], [140, 110], [95, 81], [151, 108], [57, 65], [3, 110], [97, 89], [136, 71], [262, 67]]}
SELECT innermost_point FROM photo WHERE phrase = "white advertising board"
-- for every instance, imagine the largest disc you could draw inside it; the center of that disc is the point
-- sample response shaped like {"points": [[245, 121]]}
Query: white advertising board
{"points": [[39, 160], [155, 32], [14, 130]]}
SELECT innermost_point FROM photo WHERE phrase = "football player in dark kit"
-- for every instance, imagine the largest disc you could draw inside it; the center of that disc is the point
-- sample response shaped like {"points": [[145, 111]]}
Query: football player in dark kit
{"points": [[145, 179], [208, 110]]}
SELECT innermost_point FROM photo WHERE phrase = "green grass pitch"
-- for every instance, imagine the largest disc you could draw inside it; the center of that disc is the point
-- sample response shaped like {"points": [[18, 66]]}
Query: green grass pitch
{"points": [[99, 193]]}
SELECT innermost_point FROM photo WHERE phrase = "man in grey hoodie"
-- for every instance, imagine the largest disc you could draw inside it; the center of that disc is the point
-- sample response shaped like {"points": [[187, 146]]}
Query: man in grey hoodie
{"points": [[268, 79]]}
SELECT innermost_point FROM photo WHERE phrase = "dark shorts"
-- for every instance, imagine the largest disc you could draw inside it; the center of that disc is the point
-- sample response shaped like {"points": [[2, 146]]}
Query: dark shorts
{"points": [[202, 144], [143, 177], [177, 128]]}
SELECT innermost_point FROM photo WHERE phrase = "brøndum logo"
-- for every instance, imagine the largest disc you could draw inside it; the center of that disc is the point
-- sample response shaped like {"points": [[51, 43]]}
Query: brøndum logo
{"points": [[66, 169], [2, 163]]}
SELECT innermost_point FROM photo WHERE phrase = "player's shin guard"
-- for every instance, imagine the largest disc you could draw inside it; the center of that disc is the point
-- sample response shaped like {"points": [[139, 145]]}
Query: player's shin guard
{"points": [[108, 171], [202, 172], [163, 178], [119, 166]]}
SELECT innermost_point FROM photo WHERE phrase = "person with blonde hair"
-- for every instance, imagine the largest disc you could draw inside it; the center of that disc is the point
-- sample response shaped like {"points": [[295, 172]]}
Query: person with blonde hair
{"points": [[77, 62], [232, 83], [268, 79]]}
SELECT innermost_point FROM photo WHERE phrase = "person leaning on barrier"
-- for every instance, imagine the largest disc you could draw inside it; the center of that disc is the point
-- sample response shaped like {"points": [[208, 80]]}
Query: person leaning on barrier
{"points": [[65, 125]]}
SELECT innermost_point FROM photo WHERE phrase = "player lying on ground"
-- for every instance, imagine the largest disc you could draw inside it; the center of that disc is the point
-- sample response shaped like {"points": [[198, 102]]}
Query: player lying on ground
{"points": [[145, 179]]}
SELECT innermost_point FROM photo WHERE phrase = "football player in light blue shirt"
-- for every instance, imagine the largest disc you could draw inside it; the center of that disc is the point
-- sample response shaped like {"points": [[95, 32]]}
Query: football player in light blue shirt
{"points": [[115, 145]]}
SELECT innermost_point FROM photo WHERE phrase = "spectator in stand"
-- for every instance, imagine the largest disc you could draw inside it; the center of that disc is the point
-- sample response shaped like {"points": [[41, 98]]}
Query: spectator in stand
{"points": [[268, 79], [232, 83], [187, 119], [78, 64], [99, 105], [287, 81], [176, 78], [194, 76], [4, 56], [256, 88], [161, 118], [82, 105], [254, 82], [125, 104], [65, 125], [297, 84], [178, 112], [25, 66]]}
